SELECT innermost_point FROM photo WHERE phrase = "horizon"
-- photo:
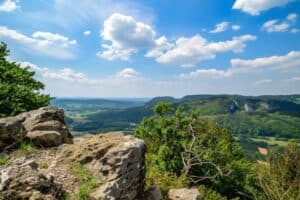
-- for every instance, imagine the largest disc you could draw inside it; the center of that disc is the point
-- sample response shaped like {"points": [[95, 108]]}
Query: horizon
{"points": [[137, 49], [175, 97]]}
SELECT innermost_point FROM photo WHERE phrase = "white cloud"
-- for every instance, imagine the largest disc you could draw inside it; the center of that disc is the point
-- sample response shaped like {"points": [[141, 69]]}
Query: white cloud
{"points": [[87, 32], [276, 26], [125, 36], [254, 7], [51, 44], [290, 60], [203, 73], [294, 79], [292, 17], [295, 30], [128, 73], [263, 82], [161, 44], [240, 66], [68, 74], [236, 27], [187, 52], [220, 27], [65, 74], [8, 6]]}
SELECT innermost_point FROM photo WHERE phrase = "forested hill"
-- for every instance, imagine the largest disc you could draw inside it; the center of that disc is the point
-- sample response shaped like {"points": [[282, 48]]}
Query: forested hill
{"points": [[243, 115]]}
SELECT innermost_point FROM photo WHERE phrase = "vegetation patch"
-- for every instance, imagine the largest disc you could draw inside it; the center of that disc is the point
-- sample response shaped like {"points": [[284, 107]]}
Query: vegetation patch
{"points": [[24, 149], [4, 159], [43, 165], [87, 182]]}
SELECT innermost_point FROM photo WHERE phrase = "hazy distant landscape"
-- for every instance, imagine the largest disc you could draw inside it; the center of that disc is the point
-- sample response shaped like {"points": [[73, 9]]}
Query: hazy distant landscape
{"points": [[262, 121]]}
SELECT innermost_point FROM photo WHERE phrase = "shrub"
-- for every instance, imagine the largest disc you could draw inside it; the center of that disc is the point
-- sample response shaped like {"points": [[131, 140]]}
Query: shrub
{"points": [[4, 159], [87, 182], [183, 144]]}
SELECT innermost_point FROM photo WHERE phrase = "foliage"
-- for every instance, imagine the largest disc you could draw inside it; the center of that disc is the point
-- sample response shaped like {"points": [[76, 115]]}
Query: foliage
{"points": [[272, 115], [165, 180], [25, 148], [43, 165], [19, 91], [4, 159], [182, 143], [209, 194], [86, 180], [280, 177]]}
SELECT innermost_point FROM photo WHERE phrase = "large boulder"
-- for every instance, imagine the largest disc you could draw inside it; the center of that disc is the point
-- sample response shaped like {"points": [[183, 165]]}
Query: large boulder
{"points": [[116, 160], [184, 194], [22, 180], [44, 127]]}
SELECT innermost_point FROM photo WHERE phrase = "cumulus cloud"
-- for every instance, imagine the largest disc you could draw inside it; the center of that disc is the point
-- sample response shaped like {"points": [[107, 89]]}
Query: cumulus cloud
{"points": [[203, 73], [239, 66], [263, 82], [128, 73], [276, 26], [220, 27], [87, 32], [187, 52], [125, 36], [295, 30], [69, 75], [255, 7], [294, 79], [236, 27], [8, 6], [51, 44], [65, 74]]}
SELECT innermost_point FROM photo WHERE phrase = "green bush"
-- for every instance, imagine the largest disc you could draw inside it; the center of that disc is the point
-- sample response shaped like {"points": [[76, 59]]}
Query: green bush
{"points": [[280, 176], [184, 144]]}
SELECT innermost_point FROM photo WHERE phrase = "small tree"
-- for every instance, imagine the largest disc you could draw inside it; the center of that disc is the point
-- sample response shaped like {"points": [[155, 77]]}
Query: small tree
{"points": [[19, 91], [280, 177], [183, 143]]}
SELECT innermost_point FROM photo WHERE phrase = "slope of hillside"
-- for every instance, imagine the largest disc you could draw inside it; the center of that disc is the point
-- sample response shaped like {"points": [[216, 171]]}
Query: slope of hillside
{"points": [[252, 116]]}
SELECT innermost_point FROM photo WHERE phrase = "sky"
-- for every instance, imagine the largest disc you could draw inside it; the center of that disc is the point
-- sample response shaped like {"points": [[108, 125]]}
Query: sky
{"points": [[139, 48]]}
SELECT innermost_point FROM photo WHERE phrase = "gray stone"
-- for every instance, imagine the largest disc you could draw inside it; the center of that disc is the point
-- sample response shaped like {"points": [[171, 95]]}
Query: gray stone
{"points": [[184, 194], [153, 193], [45, 127], [116, 160], [25, 182]]}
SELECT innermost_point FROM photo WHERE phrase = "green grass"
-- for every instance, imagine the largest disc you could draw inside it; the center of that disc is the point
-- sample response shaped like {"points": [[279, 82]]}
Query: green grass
{"points": [[86, 180], [25, 148], [4, 159], [271, 141]]}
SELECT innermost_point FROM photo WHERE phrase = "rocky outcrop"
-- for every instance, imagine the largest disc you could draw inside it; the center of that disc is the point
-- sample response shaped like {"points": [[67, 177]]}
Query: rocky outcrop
{"points": [[22, 180], [153, 193], [44, 127], [184, 194], [116, 160]]}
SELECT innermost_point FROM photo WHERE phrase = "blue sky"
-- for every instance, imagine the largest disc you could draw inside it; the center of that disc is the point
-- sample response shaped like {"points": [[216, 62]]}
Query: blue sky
{"points": [[103, 48]]}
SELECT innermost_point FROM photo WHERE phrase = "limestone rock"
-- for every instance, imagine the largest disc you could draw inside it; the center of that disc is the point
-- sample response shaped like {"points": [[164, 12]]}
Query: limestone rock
{"points": [[116, 160], [23, 181], [184, 194], [153, 193], [45, 138], [45, 127], [11, 131]]}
